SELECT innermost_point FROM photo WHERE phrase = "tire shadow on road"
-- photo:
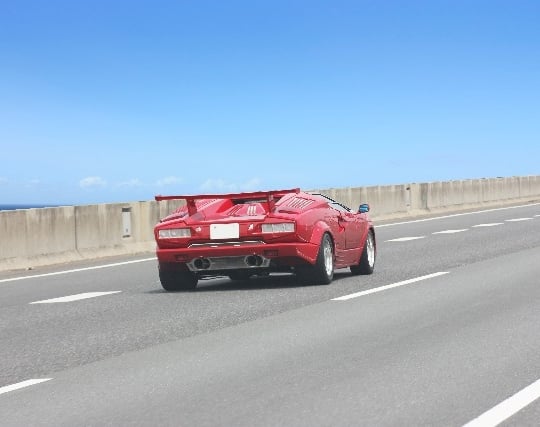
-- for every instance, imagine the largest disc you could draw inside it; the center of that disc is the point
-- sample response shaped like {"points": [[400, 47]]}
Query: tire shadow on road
{"points": [[275, 281]]}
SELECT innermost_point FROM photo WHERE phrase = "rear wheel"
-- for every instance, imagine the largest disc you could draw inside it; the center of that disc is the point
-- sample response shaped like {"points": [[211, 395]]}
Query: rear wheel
{"points": [[366, 265], [323, 271], [174, 280]]}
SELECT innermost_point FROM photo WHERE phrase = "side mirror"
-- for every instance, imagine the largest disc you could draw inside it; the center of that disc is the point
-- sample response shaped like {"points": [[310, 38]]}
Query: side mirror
{"points": [[364, 208]]}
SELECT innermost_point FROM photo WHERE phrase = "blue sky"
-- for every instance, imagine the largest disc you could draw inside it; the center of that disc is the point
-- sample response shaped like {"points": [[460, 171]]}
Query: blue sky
{"points": [[111, 101]]}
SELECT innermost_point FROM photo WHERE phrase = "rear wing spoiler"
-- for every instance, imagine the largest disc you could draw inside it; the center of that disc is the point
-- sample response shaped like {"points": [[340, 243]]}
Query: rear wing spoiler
{"points": [[270, 197]]}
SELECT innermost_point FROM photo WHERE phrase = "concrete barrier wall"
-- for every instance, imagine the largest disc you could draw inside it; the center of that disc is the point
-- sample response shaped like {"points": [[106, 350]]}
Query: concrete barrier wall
{"points": [[27, 233], [411, 200], [384, 200], [36, 237]]}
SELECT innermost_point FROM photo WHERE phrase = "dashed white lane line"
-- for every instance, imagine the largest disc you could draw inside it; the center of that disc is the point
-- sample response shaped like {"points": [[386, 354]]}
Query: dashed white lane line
{"points": [[405, 239], [492, 224], [518, 219], [509, 407], [96, 267], [22, 384], [76, 297], [384, 288], [451, 231], [456, 215]]}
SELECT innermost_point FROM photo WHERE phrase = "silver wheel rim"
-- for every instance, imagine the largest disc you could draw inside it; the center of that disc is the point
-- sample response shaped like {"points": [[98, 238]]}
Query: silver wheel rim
{"points": [[370, 250], [328, 257]]}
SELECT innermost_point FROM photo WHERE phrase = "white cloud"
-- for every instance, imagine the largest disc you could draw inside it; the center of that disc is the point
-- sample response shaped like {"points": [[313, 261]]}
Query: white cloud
{"points": [[135, 182], [218, 185], [170, 180], [254, 184], [3, 180], [221, 186], [92, 181]]}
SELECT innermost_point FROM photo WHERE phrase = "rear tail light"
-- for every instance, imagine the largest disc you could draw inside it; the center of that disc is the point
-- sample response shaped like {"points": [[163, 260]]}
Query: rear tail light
{"points": [[174, 233]]}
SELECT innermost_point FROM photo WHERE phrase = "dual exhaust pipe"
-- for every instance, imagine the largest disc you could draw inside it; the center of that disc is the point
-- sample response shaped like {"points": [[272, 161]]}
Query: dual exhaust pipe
{"points": [[253, 260], [202, 263], [250, 261]]}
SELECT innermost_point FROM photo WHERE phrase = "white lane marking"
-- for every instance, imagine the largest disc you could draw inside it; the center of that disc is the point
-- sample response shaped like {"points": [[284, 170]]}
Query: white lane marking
{"points": [[96, 267], [22, 384], [518, 219], [451, 231], [492, 224], [537, 216], [456, 215], [405, 239], [395, 285], [76, 297], [509, 407]]}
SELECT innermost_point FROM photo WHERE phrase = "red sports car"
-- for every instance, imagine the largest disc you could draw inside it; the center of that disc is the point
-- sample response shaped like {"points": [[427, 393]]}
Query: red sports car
{"points": [[247, 234]]}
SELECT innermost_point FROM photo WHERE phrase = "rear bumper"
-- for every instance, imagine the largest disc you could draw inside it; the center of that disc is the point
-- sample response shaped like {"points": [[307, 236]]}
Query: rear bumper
{"points": [[293, 252]]}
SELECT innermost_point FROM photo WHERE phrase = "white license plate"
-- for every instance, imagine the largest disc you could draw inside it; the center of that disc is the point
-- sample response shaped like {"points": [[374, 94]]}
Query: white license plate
{"points": [[225, 231]]}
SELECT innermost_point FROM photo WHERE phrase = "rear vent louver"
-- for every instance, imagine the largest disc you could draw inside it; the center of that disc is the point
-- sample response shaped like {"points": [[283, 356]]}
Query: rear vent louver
{"points": [[297, 203], [234, 210], [246, 210]]}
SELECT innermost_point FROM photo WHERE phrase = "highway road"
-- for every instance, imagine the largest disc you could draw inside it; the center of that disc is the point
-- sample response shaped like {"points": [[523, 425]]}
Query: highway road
{"points": [[446, 332]]}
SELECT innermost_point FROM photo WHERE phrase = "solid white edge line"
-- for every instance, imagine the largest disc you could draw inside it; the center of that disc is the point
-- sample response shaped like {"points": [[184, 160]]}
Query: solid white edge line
{"points": [[76, 270], [491, 224], [507, 408], [395, 285], [518, 219], [456, 215], [76, 297], [23, 384]]}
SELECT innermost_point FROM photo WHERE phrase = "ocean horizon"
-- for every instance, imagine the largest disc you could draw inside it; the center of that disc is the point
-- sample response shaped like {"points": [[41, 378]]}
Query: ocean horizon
{"points": [[16, 206]]}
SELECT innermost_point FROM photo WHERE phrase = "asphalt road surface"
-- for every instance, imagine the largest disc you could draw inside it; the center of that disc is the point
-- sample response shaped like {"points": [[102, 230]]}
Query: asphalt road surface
{"points": [[445, 332]]}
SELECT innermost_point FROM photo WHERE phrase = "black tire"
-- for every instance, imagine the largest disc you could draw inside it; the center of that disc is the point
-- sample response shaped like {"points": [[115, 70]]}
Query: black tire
{"points": [[366, 265], [240, 275], [322, 272], [174, 281]]}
